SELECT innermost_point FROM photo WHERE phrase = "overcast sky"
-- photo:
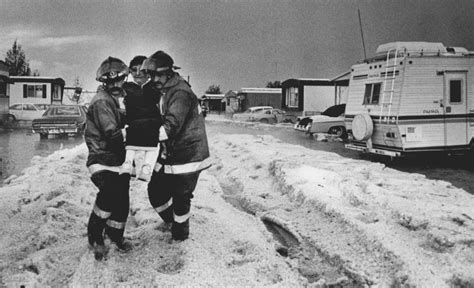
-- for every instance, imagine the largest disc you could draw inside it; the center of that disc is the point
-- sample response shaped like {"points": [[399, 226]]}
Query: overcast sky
{"points": [[231, 43]]}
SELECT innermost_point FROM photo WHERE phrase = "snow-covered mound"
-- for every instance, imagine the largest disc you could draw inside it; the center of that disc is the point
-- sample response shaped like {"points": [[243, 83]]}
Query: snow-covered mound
{"points": [[375, 225]]}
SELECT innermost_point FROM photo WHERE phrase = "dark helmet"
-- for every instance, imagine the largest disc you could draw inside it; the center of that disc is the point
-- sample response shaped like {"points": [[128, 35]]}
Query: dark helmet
{"points": [[159, 62], [111, 69]]}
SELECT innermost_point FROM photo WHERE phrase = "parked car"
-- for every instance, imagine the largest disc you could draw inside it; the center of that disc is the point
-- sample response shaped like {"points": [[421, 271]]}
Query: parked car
{"points": [[262, 114], [331, 121], [26, 111], [61, 120]]}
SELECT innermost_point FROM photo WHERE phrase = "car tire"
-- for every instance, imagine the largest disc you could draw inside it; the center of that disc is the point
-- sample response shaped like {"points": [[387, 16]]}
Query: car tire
{"points": [[338, 131], [264, 121], [43, 136], [11, 118]]}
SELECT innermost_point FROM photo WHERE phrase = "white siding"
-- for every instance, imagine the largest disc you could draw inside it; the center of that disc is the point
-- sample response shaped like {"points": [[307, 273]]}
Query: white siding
{"points": [[16, 94], [318, 98], [418, 90]]}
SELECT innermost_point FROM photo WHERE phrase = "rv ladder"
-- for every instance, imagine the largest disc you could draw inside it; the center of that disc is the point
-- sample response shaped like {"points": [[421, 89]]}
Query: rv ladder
{"points": [[388, 92]]}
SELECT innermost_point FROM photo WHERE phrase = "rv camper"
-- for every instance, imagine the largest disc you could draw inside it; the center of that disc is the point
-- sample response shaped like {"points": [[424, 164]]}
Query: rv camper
{"points": [[412, 97]]}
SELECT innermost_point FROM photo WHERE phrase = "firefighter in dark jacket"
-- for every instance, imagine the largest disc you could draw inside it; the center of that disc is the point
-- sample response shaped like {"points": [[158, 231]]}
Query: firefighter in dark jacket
{"points": [[184, 152], [105, 141]]}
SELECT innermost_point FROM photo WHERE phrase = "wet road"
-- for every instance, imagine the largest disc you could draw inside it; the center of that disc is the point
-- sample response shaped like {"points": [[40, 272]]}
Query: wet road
{"points": [[19, 146]]}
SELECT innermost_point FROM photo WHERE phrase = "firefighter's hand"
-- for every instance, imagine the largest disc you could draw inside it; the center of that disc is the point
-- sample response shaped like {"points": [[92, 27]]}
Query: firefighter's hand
{"points": [[124, 133]]}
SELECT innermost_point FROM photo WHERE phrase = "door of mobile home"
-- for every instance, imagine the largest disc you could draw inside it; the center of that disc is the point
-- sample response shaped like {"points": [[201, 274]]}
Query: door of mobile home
{"points": [[455, 108]]}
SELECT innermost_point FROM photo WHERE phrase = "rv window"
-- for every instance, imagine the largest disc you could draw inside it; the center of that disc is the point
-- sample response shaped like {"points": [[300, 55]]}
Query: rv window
{"points": [[372, 93], [368, 91], [455, 91]]}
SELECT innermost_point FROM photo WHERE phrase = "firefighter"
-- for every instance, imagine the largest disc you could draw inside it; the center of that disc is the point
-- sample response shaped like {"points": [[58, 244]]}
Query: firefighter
{"points": [[105, 141], [184, 148]]}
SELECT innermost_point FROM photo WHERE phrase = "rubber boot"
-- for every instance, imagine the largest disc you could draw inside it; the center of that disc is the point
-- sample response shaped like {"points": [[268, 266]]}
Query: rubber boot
{"points": [[180, 231], [116, 236], [95, 235]]}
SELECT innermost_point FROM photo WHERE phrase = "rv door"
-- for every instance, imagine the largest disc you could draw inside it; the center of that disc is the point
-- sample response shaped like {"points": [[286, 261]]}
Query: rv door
{"points": [[455, 108]]}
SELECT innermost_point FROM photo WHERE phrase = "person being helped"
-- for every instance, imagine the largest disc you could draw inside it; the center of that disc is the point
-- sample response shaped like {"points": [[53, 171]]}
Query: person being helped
{"points": [[105, 142], [184, 147], [143, 122]]}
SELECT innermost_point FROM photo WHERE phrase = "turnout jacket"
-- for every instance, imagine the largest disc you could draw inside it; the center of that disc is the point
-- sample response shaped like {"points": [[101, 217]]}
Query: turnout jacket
{"points": [[103, 134], [183, 130]]}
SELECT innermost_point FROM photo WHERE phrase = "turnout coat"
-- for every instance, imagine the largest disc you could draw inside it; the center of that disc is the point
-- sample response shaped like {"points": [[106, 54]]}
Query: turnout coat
{"points": [[183, 132]]}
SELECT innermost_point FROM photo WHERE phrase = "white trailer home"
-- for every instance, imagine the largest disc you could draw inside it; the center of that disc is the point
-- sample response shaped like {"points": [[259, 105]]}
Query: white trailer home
{"points": [[412, 97], [36, 90]]}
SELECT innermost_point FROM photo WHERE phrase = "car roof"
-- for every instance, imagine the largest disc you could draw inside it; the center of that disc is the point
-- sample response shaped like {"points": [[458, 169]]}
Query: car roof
{"points": [[260, 107]]}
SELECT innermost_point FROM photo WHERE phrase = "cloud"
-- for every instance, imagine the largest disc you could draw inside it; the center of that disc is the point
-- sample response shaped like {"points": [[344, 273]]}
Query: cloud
{"points": [[36, 64], [39, 38], [55, 42]]}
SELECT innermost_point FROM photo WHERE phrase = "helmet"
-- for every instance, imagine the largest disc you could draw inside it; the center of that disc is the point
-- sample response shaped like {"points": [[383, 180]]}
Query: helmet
{"points": [[111, 69], [158, 62], [148, 65]]}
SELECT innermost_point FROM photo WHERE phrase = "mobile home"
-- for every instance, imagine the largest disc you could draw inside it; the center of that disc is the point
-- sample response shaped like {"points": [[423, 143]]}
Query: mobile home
{"points": [[305, 96], [412, 97], [36, 90], [4, 90], [241, 100]]}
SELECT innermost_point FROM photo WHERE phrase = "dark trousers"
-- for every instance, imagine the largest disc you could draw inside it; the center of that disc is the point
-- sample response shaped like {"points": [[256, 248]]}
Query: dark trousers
{"points": [[171, 194], [113, 196]]}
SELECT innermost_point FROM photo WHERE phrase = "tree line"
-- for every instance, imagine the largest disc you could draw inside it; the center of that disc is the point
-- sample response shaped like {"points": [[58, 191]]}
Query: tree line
{"points": [[17, 62]]}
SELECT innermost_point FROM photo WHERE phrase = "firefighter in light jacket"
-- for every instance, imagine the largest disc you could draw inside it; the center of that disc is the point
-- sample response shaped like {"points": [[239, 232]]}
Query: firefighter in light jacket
{"points": [[184, 152]]}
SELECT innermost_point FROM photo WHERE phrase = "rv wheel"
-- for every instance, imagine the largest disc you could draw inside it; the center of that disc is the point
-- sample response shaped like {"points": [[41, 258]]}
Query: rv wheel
{"points": [[362, 127]]}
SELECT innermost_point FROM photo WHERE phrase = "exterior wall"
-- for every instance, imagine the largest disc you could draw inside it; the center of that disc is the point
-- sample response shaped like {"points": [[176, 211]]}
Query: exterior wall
{"points": [[316, 99], [424, 91], [261, 99], [314, 95], [232, 105], [16, 94], [5, 102], [4, 97]]}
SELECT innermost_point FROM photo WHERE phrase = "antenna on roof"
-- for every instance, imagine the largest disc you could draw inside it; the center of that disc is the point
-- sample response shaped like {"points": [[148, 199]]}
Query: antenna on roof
{"points": [[362, 33]]}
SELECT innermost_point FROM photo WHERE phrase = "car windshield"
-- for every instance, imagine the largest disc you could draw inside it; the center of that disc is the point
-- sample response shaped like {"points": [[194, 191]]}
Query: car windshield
{"points": [[63, 111], [42, 106], [257, 109]]}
